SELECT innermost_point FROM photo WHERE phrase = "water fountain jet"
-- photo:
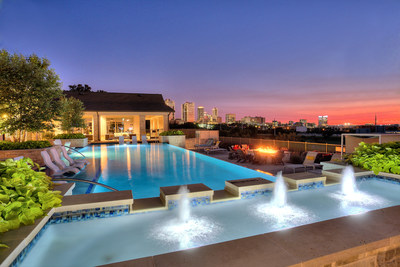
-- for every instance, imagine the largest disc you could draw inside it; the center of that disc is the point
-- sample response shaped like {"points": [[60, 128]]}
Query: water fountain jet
{"points": [[279, 195], [349, 187]]}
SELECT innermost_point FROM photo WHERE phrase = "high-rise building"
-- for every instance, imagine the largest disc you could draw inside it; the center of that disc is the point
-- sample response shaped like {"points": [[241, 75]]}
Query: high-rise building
{"points": [[291, 123], [188, 112], [214, 114], [230, 118], [303, 122], [171, 104], [323, 121], [200, 113], [253, 120]]}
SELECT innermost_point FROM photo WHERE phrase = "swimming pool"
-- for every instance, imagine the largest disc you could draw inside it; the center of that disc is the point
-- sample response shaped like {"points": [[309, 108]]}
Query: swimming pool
{"points": [[101, 241], [146, 168]]}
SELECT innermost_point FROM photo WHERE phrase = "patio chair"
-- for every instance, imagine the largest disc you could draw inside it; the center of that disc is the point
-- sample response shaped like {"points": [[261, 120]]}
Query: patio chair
{"points": [[134, 139], [60, 163], [259, 158], [243, 156], [308, 162], [233, 154], [79, 163], [54, 168], [214, 148], [144, 139], [208, 143], [278, 159]]}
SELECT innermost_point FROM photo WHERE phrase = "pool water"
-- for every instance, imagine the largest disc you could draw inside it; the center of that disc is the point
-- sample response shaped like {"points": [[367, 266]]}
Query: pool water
{"points": [[145, 168], [102, 241]]}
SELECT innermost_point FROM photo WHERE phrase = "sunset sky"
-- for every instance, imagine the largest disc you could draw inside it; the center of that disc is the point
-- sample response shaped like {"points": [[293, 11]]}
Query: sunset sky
{"points": [[284, 60]]}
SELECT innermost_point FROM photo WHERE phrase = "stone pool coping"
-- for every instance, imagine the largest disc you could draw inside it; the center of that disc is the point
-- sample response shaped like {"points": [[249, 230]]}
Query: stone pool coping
{"points": [[21, 238]]}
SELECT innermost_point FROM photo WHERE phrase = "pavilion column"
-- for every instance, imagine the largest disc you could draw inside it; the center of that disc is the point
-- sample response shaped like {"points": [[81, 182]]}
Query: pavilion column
{"points": [[96, 127], [142, 123], [165, 122]]}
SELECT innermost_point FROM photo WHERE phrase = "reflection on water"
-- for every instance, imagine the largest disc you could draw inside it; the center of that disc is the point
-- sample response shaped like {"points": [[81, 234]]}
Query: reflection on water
{"points": [[146, 168]]}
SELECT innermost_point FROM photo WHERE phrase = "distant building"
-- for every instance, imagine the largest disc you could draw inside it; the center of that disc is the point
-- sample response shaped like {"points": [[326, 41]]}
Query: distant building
{"points": [[200, 113], [323, 121], [303, 122], [219, 119], [291, 123], [214, 114], [188, 112], [253, 120], [170, 103], [275, 123], [230, 118]]}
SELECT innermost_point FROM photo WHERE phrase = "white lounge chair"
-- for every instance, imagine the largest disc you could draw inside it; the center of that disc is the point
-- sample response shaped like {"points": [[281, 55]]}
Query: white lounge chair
{"points": [[144, 139], [134, 139], [73, 162], [61, 164], [54, 168]]}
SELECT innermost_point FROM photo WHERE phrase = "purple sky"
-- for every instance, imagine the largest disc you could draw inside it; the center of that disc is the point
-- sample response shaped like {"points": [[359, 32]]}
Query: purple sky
{"points": [[279, 59]]}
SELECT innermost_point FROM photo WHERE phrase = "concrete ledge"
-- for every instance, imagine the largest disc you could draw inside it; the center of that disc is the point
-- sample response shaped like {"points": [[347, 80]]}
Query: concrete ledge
{"points": [[238, 187], [296, 180], [170, 194], [223, 195], [336, 174], [96, 200], [148, 205]]}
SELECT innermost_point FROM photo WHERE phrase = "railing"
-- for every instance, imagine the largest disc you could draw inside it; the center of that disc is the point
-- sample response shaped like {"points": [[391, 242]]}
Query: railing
{"points": [[290, 145]]}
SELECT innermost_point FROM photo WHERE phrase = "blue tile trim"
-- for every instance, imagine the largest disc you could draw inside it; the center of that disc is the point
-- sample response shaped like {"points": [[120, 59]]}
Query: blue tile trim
{"points": [[311, 185], [379, 178], [194, 202], [255, 193]]}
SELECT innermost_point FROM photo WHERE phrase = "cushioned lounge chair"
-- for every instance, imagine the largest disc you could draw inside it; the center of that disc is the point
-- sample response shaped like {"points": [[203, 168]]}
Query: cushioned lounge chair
{"points": [[60, 163], [208, 143], [309, 161], [54, 168], [214, 148], [79, 163]]}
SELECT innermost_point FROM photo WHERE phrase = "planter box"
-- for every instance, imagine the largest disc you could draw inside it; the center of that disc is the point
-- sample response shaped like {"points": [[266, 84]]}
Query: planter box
{"points": [[33, 154], [175, 140], [76, 142]]}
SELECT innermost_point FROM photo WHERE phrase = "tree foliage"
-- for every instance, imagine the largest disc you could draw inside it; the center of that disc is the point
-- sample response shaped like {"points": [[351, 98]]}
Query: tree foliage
{"points": [[81, 89], [29, 90], [71, 114]]}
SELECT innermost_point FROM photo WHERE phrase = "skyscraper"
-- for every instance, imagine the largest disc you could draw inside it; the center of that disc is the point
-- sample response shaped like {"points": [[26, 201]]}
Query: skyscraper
{"points": [[200, 113], [214, 114], [188, 112], [171, 104], [322, 121], [303, 122], [230, 118]]}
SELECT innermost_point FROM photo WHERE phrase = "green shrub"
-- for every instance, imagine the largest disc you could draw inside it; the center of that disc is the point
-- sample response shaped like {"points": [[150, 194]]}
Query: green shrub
{"points": [[7, 145], [377, 157], [70, 136], [172, 132], [24, 194]]}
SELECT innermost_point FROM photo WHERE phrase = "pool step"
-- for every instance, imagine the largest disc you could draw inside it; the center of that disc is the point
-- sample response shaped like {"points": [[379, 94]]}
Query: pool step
{"points": [[336, 174], [304, 180], [223, 195]]}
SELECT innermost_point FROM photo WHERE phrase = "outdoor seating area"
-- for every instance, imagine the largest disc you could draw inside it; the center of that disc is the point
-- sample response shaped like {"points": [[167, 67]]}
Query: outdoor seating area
{"points": [[272, 160]]}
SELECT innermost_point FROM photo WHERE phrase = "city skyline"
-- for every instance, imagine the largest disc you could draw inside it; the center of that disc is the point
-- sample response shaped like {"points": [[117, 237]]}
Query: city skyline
{"points": [[282, 61]]}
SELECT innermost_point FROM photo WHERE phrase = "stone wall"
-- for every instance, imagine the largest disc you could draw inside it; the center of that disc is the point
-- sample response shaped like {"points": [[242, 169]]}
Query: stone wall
{"points": [[33, 154]]}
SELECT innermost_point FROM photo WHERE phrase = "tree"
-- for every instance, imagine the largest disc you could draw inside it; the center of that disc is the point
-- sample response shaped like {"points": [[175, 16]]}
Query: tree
{"points": [[81, 89], [71, 115], [29, 91]]}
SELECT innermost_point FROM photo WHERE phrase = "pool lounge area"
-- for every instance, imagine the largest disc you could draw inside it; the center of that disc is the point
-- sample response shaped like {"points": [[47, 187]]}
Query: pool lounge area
{"points": [[232, 221]]}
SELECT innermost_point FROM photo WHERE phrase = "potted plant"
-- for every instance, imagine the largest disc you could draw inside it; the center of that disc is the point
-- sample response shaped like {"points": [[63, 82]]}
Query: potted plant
{"points": [[173, 137], [77, 140]]}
